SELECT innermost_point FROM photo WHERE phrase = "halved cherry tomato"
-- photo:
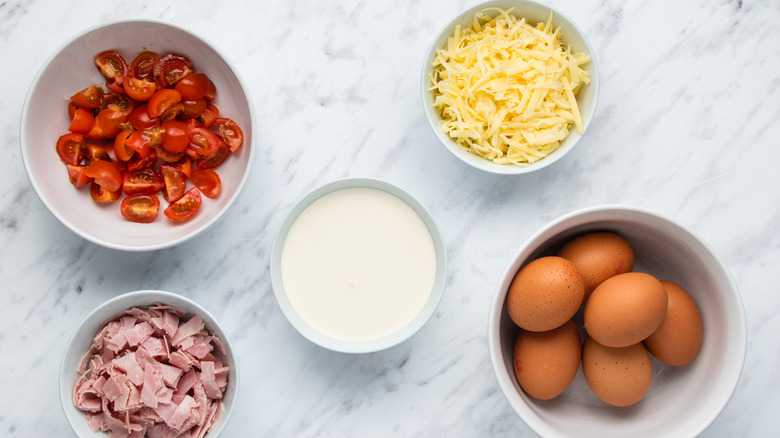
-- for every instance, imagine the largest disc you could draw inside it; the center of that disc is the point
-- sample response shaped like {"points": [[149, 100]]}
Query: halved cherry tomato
{"points": [[142, 66], [161, 101], [168, 157], [170, 68], [172, 113], [145, 182], [82, 121], [108, 123], [209, 116], [69, 148], [136, 163], [193, 86], [176, 136], [207, 181], [105, 174], [122, 151], [175, 182], [140, 208], [77, 175], [215, 158], [203, 141], [113, 67], [185, 207], [136, 142], [194, 108], [140, 119], [88, 98], [211, 93], [101, 194], [121, 165], [230, 132], [120, 103], [185, 165], [95, 152], [139, 89]]}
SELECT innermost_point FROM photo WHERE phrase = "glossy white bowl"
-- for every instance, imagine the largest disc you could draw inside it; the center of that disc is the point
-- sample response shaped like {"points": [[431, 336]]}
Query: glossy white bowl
{"points": [[326, 340], [44, 118], [682, 401], [81, 339], [534, 12]]}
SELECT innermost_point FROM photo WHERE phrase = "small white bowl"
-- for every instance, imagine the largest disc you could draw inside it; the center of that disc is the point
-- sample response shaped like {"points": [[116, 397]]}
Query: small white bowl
{"points": [[44, 118], [534, 12], [682, 401], [326, 340], [81, 339]]}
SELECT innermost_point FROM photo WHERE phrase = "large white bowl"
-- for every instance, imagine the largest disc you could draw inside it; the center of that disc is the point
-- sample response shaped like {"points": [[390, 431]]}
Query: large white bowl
{"points": [[326, 340], [81, 339], [534, 12], [682, 401], [44, 118]]}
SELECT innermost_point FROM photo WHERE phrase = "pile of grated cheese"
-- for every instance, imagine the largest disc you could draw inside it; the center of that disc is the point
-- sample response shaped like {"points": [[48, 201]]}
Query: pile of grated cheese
{"points": [[506, 90]]}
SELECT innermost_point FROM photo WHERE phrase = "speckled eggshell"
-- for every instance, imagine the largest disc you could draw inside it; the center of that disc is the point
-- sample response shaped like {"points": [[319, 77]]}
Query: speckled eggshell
{"points": [[625, 309], [678, 339], [547, 362], [598, 256], [545, 294], [618, 376]]}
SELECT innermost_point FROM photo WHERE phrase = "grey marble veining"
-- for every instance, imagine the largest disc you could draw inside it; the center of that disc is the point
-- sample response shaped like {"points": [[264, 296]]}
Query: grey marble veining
{"points": [[686, 126]]}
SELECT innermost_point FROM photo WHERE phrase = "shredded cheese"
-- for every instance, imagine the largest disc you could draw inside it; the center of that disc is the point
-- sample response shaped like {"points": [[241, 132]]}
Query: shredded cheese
{"points": [[507, 90]]}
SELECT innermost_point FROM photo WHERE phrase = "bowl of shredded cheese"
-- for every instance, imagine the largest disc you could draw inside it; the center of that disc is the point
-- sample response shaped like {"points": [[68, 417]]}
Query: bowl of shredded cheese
{"points": [[510, 87]]}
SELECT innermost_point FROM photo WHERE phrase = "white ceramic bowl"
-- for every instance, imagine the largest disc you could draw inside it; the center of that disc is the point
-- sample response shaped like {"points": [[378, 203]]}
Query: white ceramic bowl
{"points": [[681, 401], [533, 12], [80, 341], [44, 118], [327, 340]]}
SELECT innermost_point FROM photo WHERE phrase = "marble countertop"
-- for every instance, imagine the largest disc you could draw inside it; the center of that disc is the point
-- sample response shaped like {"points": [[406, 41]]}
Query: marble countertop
{"points": [[689, 102]]}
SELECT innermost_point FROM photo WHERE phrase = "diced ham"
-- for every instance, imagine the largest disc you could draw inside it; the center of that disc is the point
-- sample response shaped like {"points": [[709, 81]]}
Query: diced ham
{"points": [[147, 374]]}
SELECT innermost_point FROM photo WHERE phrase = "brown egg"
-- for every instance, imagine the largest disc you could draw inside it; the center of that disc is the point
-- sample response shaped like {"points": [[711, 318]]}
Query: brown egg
{"points": [[618, 376], [625, 309], [598, 256], [546, 362], [678, 339], [545, 294]]}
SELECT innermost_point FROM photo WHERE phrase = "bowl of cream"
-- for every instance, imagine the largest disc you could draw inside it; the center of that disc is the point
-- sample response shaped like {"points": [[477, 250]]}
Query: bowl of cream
{"points": [[358, 265]]}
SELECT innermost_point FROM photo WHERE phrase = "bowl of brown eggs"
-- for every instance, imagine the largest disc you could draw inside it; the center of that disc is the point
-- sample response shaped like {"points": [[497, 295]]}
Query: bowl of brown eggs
{"points": [[616, 321]]}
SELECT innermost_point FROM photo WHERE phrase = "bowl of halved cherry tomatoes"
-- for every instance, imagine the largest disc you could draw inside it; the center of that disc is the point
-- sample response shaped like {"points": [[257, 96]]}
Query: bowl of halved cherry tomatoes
{"points": [[137, 135]]}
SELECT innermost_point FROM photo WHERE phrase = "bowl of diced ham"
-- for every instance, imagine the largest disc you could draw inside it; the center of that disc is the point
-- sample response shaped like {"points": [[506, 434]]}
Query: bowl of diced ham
{"points": [[148, 363]]}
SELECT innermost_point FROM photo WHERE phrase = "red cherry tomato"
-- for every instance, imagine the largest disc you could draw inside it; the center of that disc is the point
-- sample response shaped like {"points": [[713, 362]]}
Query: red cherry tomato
{"points": [[209, 116], [69, 148], [142, 66], [161, 101], [207, 181], [113, 67], [175, 182], [139, 89], [82, 121], [215, 158], [176, 136], [120, 103], [140, 119], [108, 123], [88, 98], [121, 150], [168, 157], [136, 142], [77, 175], [185, 207], [136, 163], [193, 86], [185, 165], [145, 182], [203, 141], [106, 174], [172, 113], [140, 208], [100, 194], [171, 72], [230, 132], [95, 152], [194, 108]]}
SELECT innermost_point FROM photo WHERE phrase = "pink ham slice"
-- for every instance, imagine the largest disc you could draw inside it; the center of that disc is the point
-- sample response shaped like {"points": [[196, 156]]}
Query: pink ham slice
{"points": [[147, 374]]}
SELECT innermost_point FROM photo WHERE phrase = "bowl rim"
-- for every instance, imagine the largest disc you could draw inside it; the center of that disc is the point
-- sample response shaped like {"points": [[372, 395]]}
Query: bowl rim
{"points": [[504, 379], [485, 164], [129, 300], [372, 345], [123, 247]]}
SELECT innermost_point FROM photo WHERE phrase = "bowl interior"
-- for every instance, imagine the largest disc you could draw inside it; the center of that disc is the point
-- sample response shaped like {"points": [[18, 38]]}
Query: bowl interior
{"points": [[587, 97], [681, 401], [45, 118], [317, 336], [80, 341]]}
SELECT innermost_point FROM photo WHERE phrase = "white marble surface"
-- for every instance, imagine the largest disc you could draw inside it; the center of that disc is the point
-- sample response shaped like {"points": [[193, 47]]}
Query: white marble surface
{"points": [[686, 126]]}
